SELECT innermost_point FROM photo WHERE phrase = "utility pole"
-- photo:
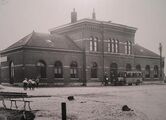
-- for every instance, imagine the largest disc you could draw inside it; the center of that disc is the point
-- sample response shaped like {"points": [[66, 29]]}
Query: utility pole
{"points": [[84, 58], [84, 65], [102, 40], [160, 49]]}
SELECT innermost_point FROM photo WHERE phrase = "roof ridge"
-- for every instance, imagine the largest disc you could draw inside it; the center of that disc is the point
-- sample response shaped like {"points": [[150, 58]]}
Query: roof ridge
{"points": [[28, 41]]}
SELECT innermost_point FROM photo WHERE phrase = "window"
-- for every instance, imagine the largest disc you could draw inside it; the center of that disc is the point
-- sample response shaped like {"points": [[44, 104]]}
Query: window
{"points": [[112, 45], [11, 72], [73, 70], [147, 71], [138, 67], [156, 71], [113, 69], [41, 69], [116, 46], [93, 44], [128, 47], [58, 70], [128, 67], [94, 70], [109, 45]]}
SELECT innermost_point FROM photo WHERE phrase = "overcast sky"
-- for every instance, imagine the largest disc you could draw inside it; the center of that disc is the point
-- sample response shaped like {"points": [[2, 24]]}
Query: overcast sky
{"points": [[20, 17]]}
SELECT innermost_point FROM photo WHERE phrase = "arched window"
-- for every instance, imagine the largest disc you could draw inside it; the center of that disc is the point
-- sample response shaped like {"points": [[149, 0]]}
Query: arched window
{"points": [[94, 70], [138, 67], [116, 46], [113, 69], [11, 72], [112, 45], [93, 43], [128, 67], [58, 70], [109, 45], [156, 71], [41, 69], [74, 70], [128, 47], [147, 71]]}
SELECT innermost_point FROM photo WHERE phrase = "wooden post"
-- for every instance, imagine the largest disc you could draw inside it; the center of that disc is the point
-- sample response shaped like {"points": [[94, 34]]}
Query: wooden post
{"points": [[63, 106], [161, 72]]}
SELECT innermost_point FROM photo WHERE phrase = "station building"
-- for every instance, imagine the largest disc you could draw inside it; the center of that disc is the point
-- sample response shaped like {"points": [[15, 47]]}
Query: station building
{"points": [[78, 53]]}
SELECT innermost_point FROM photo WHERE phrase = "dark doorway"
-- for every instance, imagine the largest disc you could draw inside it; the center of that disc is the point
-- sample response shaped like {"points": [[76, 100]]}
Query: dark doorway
{"points": [[11, 72]]}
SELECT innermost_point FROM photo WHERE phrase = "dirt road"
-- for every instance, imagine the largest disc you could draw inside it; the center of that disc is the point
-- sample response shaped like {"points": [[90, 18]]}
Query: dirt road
{"points": [[91, 103]]}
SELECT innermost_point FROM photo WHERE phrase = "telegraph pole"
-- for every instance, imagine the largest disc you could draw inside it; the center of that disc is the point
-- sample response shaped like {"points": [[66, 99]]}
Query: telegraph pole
{"points": [[84, 66], [84, 58], [160, 49], [102, 40]]}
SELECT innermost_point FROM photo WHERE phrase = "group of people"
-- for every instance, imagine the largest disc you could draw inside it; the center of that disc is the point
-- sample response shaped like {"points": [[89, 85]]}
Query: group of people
{"points": [[30, 83]]}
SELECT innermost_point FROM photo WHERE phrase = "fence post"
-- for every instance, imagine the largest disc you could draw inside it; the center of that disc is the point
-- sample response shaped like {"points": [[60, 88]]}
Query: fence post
{"points": [[63, 106]]}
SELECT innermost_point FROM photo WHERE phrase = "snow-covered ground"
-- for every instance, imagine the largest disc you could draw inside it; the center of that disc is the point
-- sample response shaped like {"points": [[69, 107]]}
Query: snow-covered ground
{"points": [[99, 103]]}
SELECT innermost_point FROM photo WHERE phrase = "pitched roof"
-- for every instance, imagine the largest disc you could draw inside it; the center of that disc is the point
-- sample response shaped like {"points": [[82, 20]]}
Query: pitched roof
{"points": [[141, 51], [44, 40], [21, 42]]}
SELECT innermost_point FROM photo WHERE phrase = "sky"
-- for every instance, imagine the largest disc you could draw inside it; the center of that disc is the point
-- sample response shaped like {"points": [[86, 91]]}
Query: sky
{"points": [[19, 18]]}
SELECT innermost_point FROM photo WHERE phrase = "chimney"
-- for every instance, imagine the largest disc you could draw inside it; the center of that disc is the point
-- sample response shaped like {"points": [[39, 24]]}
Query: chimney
{"points": [[94, 14], [73, 16]]}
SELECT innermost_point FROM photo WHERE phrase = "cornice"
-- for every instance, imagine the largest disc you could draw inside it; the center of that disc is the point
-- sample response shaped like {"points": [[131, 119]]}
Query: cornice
{"points": [[141, 56], [12, 49], [94, 22], [52, 49]]}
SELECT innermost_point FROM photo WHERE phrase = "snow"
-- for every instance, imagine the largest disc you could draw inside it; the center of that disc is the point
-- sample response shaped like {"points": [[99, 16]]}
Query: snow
{"points": [[148, 102]]}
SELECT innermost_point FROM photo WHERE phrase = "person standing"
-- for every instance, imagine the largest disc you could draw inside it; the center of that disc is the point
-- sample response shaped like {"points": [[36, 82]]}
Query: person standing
{"points": [[37, 82], [33, 84], [25, 83], [106, 79], [30, 84]]}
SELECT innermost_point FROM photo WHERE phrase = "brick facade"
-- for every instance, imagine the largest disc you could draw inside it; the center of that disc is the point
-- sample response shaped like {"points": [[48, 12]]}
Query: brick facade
{"points": [[75, 46]]}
